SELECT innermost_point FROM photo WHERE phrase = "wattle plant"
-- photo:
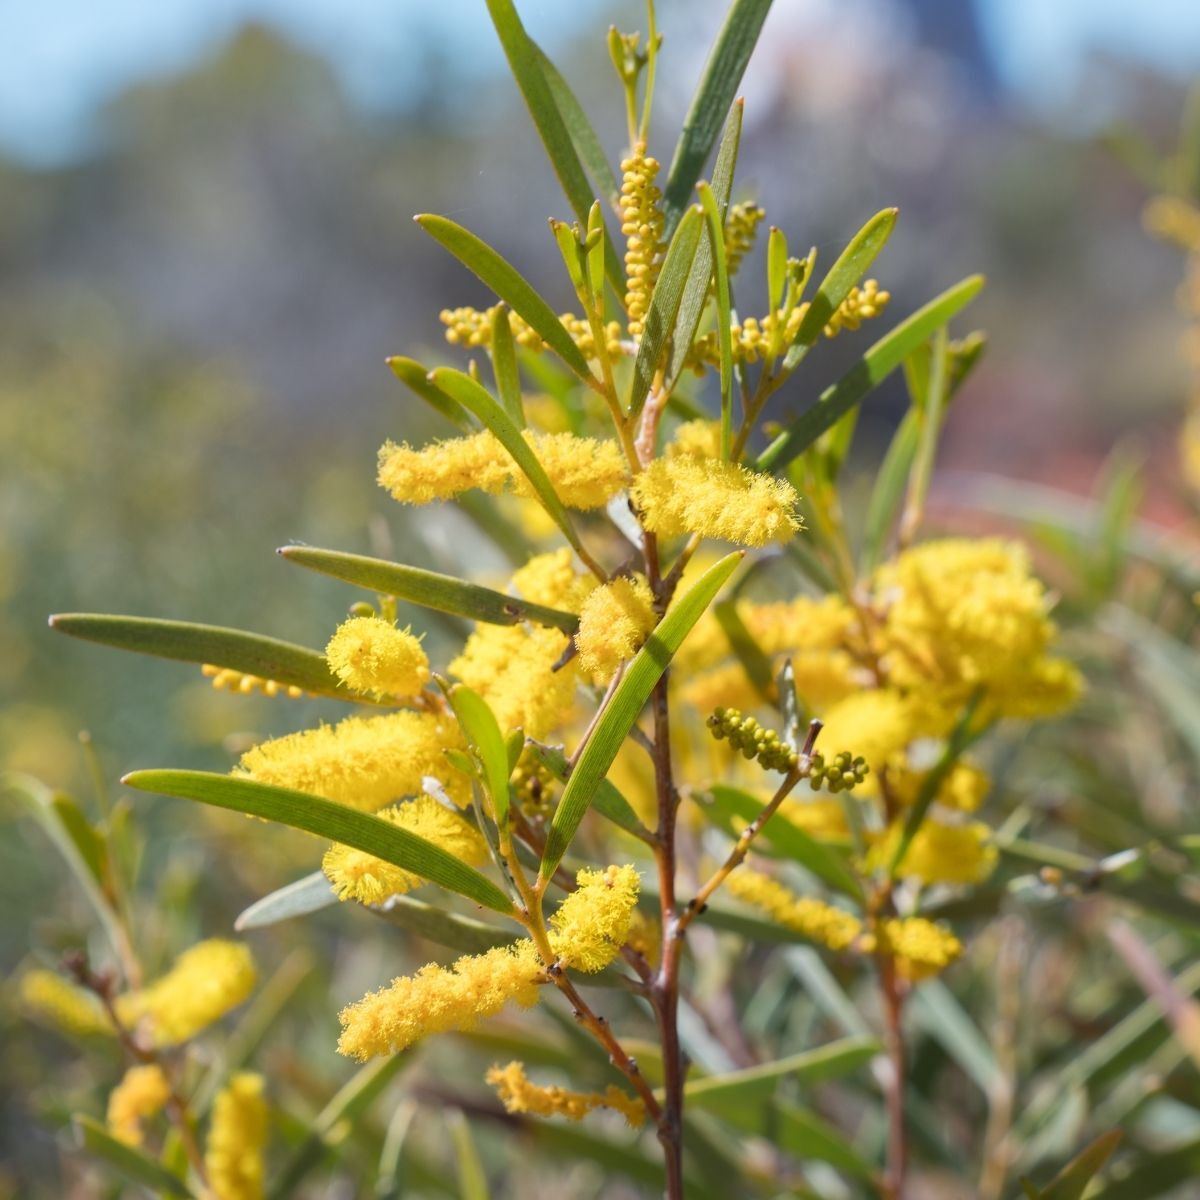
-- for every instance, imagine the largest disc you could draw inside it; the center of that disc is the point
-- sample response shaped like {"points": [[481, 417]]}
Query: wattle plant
{"points": [[704, 709]]}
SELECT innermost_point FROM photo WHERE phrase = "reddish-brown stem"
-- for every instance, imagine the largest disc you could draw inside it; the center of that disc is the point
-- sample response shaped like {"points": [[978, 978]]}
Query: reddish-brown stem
{"points": [[892, 989]]}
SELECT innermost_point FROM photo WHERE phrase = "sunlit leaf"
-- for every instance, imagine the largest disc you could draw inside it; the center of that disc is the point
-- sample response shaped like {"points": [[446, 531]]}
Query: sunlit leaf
{"points": [[482, 731], [309, 894], [416, 377]]}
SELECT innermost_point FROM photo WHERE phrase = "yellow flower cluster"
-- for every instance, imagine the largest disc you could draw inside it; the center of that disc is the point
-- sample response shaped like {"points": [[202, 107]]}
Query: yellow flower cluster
{"points": [[741, 229], [473, 328], [592, 923], [369, 654], [696, 439], [363, 762], [205, 982], [438, 999], [519, 1095], [811, 918], [939, 853], [356, 875], [820, 817], [1174, 220], [233, 1155], [715, 499], [921, 948], [861, 304], [142, 1092], [512, 668], [49, 997], [225, 679], [642, 226], [585, 472], [963, 789], [613, 623], [965, 613], [551, 579]]}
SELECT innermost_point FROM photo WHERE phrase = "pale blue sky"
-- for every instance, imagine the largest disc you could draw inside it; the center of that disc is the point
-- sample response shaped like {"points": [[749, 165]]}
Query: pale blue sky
{"points": [[60, 60]]}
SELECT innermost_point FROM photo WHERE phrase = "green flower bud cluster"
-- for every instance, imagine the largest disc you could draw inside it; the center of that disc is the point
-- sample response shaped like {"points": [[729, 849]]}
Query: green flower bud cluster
{"points": [[748, 736], [534, 787], [841, 775]]}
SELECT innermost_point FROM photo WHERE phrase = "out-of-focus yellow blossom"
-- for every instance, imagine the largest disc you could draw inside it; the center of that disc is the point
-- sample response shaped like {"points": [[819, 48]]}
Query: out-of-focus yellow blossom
{"points": [[879, 724], [591, 924], [963, 788], [715, 499], [369, 654], [363, 762], [233, 1155], [696, 439], [551, 579], [1173, 219], [356, 875], [613, 623], [585, 472], [142, 1092], [438, 999], [819, 817], [642, 225], [644, 937], [966, 613], [939, 853], [920, 947], [205, 982], [56, 1001], [519, 1095], [512, 668], [811, 918], [788, 626], [226, 679], [726, 686]]}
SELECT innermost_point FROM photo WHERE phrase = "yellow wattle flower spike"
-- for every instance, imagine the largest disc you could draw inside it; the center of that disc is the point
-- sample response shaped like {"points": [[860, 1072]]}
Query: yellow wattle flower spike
{"points": [[592, 923], [204, 983], [369, 654], [519, 1095], [551, 579], [356, 875], [811, 918], [233, 1155], [614, 621], [939, 853], [50, 998], [142, 1092], [920, 947], [684, 495]]}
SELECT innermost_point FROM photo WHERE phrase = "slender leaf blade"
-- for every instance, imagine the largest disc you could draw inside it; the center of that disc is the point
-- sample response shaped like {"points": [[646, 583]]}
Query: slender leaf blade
{"points": [[1072, 1181], [630, 696], [309, 894], [508, 283], [607, 801], [186, 641], [504, 362], [870, 371], [126, 1160], [416, 377], [720, 270], [336, 822], [887, 491], [479, 723]]}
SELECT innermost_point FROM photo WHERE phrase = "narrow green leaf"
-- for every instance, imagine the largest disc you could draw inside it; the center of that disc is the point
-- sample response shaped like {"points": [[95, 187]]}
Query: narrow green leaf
{"points": [[777, 253], [583, 135], [607, 801], [695, 293], [507, 282], [336, 822], [429, 589], [716, 242], [483, 733], [557, 117], [790, 840], [802, 1133], [472, 1182], [416, 377], [504, 363], [441, 927], [850, 267], [718, 86], [128, 1162], [747, 651], [630, 696], [888, 491], [78, 828], [476, 398], [929, 417], [309, 894], [664, 307], [1157, 1174], [945, 1020], [871, 370], [250, 653], [1072, 1181]]}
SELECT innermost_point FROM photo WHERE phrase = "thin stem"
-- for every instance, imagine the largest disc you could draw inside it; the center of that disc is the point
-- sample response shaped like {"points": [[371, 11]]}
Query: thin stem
{"points": [[897, 1139], [651, 64]]}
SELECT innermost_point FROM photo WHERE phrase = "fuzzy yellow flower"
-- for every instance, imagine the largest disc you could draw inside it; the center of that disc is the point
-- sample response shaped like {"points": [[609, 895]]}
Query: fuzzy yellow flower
{"points": [[205, 982], [551, 579], [142, 1092], [940, 853], [438, 999], [585, 472], [715, 499], [369, 654], [613, 623], [356, 875], [591, 924], [879, 724], [233, 1155], [696, 439], [49, 997], [519, 1095], [811, 918], [920, 947], [363, 762]]}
